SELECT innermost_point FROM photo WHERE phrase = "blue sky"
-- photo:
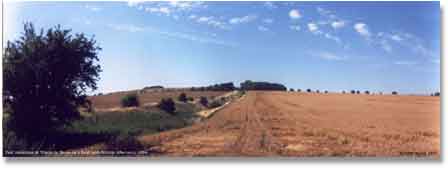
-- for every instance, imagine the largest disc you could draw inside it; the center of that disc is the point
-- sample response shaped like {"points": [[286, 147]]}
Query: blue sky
{"points": [[376, 46]]}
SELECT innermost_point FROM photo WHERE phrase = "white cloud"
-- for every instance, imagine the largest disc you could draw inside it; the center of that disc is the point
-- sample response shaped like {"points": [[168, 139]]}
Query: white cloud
{"points": [[192, 16], [332, 37], [270, 5], [243, 19], [186, 5], [127, 28], [362, 29], [295, 14], [263, 29], [313, 28], [177, 35], [294, 27], [160, 10], [385, 45], [205, 18], [133, 3], [329, 56], [337, 24], [268, 20], [396, 37], [93, 8], [406, 63], [323, 11], [212, 21], [165, 10]]}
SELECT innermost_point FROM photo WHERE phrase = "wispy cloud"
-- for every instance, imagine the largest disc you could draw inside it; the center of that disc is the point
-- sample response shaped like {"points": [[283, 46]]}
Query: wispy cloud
{"points": [[332, 37], [93, 8], [243, 19], [176, 35], [295, 27], [211, 21], [133, 3], [268, 21], [263, 28], [328, 56], [269, 5], [406, 63], [126, 27], [159, 10]]}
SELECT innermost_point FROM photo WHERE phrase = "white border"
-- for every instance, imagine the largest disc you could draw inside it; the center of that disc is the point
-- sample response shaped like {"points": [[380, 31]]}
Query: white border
{"points": [[210, 163]]}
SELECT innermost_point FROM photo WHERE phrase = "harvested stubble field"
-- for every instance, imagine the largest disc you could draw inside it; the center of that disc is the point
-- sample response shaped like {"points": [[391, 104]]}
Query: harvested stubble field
{"points": [[302, 124], [113, 100]]}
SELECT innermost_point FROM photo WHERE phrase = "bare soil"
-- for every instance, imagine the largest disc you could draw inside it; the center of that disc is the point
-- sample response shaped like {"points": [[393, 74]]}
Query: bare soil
{"points": [[302, 124]]}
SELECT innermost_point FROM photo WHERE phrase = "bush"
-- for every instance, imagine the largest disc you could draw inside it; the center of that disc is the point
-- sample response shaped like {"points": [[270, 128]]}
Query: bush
{"points": [[358, 92], [367, 92], [168, 105], [308, 90], [352, 91], [343, 92], [394, 93], [203, 100], [291, 90], [190, 98], [317, 91], [182, 97], [299, 90], [326, 91], [46, 75], [130, 100], [216, 103], [437, 94]]}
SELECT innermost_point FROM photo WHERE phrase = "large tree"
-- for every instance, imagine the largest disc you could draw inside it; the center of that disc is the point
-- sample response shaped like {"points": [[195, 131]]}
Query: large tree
{"points": [[46, 76]]}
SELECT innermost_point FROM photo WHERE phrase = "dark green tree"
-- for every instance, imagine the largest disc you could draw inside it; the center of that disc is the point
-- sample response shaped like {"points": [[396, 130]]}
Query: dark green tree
{"points": [[168, 105], [203, 100], [182, 97], [130, 100], [46, 75]]}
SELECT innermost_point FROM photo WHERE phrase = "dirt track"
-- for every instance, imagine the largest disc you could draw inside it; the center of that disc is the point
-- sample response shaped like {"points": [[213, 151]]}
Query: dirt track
{"points": [[300, 124]]}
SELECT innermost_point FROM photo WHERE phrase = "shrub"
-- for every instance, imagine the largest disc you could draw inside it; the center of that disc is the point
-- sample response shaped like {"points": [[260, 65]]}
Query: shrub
{"points": [[437, 94], [182, 97], [291, 90], [215, 103], [343, 92], [190, 98], [394, 93], [352, 91], [46, 75], [168, 105], [130, 100], [358, 92], [203, 100], [367, 92], [317, 91], [325, 91], [299, 90], [308, 90]]}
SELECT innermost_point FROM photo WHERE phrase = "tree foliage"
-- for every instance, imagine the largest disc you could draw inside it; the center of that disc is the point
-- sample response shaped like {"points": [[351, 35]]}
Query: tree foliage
{"points": [[182, 97], [130, 100], [250, 85], [46, 76], [168, 105], [203, 100]]}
